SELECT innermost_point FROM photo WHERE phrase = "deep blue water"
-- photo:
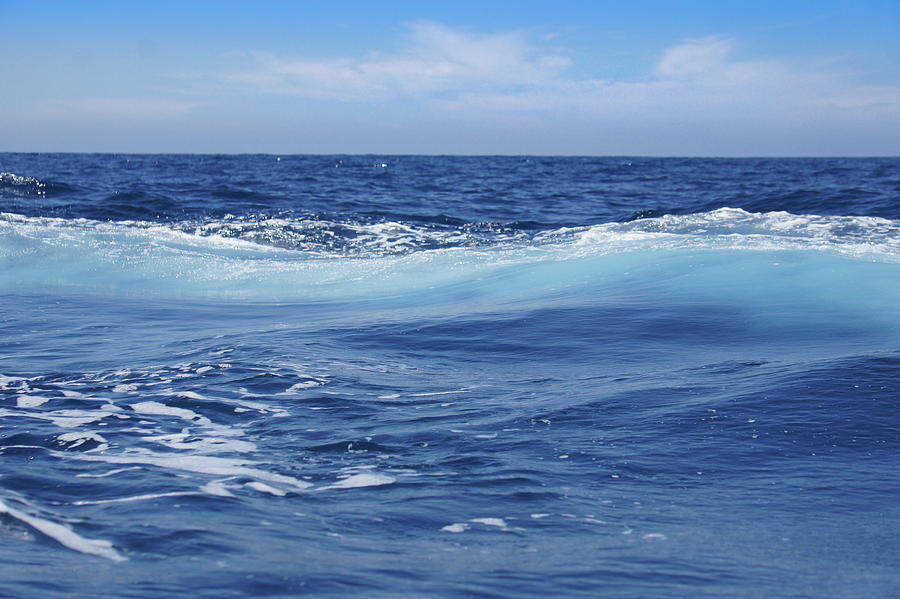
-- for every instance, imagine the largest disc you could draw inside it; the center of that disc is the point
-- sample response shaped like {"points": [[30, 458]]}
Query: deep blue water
{"points": [[388, 376]]}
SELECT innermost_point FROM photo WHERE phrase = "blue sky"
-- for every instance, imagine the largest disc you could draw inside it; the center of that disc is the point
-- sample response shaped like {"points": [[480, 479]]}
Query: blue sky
{"points": [[528, 77]]}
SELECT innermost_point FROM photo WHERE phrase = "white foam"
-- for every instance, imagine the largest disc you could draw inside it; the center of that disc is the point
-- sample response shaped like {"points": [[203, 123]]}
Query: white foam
{"points": [[264, 488], [61, 418], [733, 228], [456, 527], [77, 439], [363, 479], [158, 409], [31, 401], [498, 522], [212, 465], [434, 393], [202, 444], [133, 498], [109, 473], [243, 405], [6, 381], [308, 384], [144, 258], [217, 488], [65, 536]]}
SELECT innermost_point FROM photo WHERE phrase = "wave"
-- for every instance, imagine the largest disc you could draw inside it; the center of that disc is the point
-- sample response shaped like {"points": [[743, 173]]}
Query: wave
{"points": [[14, 184], [306, 259]]}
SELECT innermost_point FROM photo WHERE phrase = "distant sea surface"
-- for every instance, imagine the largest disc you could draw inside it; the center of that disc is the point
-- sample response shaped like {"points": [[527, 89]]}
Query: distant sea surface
{"points": [[417, 376]]}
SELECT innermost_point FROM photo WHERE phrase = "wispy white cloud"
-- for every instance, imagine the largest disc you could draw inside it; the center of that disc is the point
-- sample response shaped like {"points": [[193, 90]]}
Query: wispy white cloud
{"points": [[698, 80], [695, 58], [434, 59], [513, 73]]}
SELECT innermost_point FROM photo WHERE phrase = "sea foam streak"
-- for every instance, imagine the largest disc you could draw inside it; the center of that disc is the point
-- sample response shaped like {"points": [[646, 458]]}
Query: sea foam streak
{"points": [[64, 535]]}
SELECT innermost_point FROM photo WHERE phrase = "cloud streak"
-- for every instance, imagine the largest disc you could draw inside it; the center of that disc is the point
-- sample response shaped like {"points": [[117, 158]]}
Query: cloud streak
{"points": [[464, 73], [435, 59]]}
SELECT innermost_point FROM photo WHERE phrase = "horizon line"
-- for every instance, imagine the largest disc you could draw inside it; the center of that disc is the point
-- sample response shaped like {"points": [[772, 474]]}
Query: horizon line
{"points": [[463, 155]]}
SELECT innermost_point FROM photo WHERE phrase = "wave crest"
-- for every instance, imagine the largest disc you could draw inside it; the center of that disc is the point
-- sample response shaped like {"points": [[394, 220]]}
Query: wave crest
{"points": [[276, 259], [733, 228]]}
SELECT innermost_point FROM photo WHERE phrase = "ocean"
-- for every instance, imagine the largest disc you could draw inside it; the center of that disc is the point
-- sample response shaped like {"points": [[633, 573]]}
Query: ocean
{"points": [[440, 376]]}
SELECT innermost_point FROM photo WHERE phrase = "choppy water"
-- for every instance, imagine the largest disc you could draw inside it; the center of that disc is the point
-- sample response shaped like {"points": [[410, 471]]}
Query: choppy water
{"points": [[245, 376]]}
